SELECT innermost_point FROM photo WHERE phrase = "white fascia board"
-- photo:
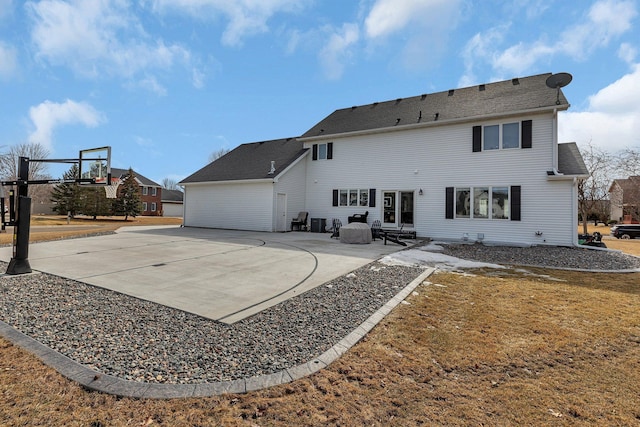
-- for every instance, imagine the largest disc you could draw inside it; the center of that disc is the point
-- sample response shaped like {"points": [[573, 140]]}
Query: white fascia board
{"points": [[486, 117], [236, 181], [295, 162], [565, 177]]}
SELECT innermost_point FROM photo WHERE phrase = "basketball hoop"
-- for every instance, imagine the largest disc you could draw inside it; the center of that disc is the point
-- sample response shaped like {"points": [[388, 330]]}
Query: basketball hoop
{"points": [[111, 190]]}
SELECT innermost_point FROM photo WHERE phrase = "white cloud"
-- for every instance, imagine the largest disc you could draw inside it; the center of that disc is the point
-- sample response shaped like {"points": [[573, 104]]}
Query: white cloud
{"points": [[389, 16], [245, 17], [48, 115], [479, 47], [612, 119], [606, 20], [98, 38], [424, 25], [627, 53], [8, 60], [337, 51]]}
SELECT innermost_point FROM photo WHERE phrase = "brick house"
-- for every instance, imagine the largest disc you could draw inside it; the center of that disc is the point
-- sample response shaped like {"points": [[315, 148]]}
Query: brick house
{"points": [[150, 191], [625, 199]]}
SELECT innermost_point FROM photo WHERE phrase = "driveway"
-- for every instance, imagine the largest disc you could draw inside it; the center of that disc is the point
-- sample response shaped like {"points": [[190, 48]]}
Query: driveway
{"points": [[223, 275]]}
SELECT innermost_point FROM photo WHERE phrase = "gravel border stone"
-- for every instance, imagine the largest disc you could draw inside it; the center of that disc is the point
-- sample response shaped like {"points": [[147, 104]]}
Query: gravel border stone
{"points": [[123, 345]]}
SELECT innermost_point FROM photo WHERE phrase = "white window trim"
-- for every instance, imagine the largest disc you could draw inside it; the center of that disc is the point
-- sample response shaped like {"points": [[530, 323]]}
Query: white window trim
{"points": [[501, 136], [144, 206], [472, 189], [359, 192]]}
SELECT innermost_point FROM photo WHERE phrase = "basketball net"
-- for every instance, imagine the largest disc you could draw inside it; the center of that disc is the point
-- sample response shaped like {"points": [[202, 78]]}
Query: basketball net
{"points": [[111, 190]]}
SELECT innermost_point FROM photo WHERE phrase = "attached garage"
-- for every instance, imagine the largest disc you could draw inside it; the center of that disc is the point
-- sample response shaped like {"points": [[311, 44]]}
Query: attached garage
{"points": [[244, 191]]}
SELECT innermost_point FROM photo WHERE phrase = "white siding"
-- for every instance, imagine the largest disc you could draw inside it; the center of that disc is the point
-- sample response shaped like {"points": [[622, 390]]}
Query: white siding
{"points": [[434, 158], [171, 209], [231, 206], [293, 184]]}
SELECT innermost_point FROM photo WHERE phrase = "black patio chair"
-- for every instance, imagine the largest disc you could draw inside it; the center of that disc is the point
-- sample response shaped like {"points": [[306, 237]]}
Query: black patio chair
{"points": [[300, 222], [335, 227]]}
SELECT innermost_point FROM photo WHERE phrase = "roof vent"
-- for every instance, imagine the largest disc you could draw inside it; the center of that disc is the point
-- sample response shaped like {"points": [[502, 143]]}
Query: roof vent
{"points": [[398, 100], [451, 92], [515, 81], [273, 167], [420, 116], [375, 103], [435, 116], [481, 88], [397, 121], [354, 107], [423, 96]]}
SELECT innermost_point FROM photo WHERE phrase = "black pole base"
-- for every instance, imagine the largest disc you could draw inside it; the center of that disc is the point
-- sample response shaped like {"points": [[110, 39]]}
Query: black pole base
{"points": [[19, 266]]}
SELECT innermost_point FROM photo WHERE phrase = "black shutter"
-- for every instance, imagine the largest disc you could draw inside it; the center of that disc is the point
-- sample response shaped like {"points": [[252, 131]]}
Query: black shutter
{"points": [[515, 203], [449, 203], [335, 197], [372, 197], [526, 133], [477, 139], [315, 152], [330, 151]]}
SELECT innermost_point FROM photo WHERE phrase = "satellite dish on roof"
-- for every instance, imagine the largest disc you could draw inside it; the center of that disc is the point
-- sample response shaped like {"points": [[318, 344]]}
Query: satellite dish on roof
{"points": [[558, 80]]}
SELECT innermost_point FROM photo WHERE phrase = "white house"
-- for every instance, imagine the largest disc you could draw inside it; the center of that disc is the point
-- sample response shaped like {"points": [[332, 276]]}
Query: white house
{"points": [[480, 163]]}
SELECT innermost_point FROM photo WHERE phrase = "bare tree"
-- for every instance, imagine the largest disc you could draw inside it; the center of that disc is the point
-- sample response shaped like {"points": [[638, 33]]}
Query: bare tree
{"points": [[170, 184], [593, 192], [628, 162], [37, 170], [217, 154]]}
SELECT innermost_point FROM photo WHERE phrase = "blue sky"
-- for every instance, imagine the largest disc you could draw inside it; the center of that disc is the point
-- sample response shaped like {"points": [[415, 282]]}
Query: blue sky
{"points": [[168, 82]]}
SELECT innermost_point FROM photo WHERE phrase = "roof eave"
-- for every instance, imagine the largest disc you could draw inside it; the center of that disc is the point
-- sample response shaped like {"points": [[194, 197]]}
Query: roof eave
{"points": [[232, 181], [539, 110]]}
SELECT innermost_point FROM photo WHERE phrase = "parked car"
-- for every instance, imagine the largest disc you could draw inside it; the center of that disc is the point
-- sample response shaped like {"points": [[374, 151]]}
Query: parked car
{"points": [[626, 231]]}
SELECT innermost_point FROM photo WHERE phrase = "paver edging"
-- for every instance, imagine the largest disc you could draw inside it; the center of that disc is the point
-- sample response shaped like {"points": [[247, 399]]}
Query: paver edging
{"points": [[97, 381]]}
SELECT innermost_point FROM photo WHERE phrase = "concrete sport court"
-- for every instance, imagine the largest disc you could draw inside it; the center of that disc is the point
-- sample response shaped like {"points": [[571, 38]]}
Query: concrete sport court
{"points": [[225, 275]]}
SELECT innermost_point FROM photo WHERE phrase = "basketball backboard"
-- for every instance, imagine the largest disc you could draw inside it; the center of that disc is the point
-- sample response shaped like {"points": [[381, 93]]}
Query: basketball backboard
{"points": [[95, 164]]}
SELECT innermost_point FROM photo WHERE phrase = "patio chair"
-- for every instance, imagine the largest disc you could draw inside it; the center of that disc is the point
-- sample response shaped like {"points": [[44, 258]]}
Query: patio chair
{"points": [[376, 230], [335, 227], [300, 222]]}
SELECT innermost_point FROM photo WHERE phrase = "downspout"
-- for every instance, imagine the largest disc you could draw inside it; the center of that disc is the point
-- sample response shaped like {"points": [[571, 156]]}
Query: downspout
{"points": [[554, 145], [574, 212]]}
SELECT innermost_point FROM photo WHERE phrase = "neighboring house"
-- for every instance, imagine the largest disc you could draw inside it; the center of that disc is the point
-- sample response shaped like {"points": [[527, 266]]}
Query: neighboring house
{"points": [[172, 202], [150, 191], [624, 195], [478, 163]]}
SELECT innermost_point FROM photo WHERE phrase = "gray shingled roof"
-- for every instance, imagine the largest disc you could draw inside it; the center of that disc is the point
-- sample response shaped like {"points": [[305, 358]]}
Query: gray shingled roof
{"points": [[250, 161], [172, 195], [489, 99], [121, 173], [570, 160]]}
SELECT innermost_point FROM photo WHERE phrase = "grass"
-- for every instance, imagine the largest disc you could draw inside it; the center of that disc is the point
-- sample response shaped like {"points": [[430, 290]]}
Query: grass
{"points": [[540, 347]]}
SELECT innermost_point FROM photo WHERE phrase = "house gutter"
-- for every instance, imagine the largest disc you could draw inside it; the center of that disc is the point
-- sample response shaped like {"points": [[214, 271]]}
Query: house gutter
{"points": [[433, 124], [233, 181]]}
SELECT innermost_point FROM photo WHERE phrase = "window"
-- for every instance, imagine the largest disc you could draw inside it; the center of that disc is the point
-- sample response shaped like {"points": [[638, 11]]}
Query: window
{"points": [[144, 206], [500, 203], [145, 191], [491, 137], [154, 191], [502, 136], [322, 151], [511, 135], [354, 197], [364, 197], [463, 202], [504, 203], [153, 206], [481, 202]]}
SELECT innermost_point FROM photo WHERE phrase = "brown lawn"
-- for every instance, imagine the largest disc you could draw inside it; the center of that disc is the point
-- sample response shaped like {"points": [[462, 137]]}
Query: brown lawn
{"points": [[541, 347]]}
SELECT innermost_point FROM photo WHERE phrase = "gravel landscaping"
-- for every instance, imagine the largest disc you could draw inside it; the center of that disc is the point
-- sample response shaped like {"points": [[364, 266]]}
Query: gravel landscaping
{"points": [[143, 341], [545, 256]]}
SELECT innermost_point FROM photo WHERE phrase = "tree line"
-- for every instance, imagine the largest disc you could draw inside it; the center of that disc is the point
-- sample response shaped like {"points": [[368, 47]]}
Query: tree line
{"points": [[604, 167]]}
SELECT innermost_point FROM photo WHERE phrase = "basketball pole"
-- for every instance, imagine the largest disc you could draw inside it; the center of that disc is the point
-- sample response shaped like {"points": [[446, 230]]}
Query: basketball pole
{"points": [[19, 264]]}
